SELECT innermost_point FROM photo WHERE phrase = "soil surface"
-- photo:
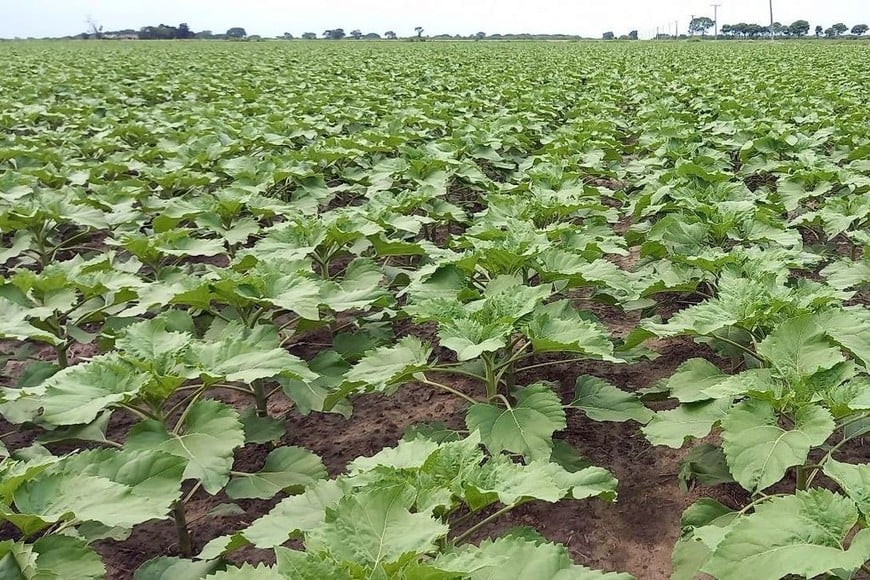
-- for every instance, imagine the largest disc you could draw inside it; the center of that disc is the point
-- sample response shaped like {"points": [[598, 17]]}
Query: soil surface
{"points": [[634, 535]]}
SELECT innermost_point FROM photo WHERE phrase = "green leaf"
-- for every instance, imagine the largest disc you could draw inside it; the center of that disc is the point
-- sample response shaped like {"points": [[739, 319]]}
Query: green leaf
{"points": [[759, 451], [260, 429], [303, 565], [63, 557], [705, 464], [390, 365], [374, 529], [701, 520], [77, 394], [210, 433], [802, 535], [469, 338], [361, 288], [171, 568], [848, 327], [672, 428], [285, 468], [248, 572], [512, 483], [527, 427], [854, 480], [245, 355], [691, 378], [559, 328], [299, 513], [601, 401], [513, 558], [798, 348]]}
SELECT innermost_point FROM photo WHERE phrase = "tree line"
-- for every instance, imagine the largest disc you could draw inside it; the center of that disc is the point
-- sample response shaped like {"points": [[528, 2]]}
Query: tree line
{"points": [[797, 29], [699, 25]]}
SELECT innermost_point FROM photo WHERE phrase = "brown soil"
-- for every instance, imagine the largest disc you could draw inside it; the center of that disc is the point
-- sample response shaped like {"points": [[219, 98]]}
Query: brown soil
{"points": [[634, 535]]}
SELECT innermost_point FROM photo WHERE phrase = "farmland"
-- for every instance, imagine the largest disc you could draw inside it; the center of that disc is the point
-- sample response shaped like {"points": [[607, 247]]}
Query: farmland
{"points": [[434, 310]]}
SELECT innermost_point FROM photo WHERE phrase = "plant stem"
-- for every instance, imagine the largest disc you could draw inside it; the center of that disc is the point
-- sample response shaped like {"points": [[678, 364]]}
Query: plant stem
{"points": [[184, 413], [485, 521], [185, 544], [449, 390], [454, 371], [551, 363], [491, 380], [60, 351], [139, 412], [260, 399], [801, 473]]}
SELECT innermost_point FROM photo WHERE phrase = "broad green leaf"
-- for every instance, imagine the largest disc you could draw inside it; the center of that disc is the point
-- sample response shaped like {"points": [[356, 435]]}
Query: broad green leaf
{"points": [[260, 429], [374, 529], [601, 401], [704, 518], [77, 394], [206, 440], [285, 467], [361, 288], [63, 557], [172, 568], [527, 427], [390, 365], [248, 572], [245, 355], [299, 513], [691, 378], [295, 564], [672, 428], [759, 451], [798, 348], [802, 535], [512, 558], [469, 338], [854, 480], [848, 328]]}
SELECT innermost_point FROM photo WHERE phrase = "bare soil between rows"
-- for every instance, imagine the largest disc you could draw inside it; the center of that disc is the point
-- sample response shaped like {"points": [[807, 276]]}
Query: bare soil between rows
{"points": [[634, 535]]}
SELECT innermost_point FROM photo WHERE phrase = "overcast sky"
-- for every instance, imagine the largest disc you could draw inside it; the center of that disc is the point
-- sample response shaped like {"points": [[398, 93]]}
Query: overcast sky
{"points": [[273, 17]]}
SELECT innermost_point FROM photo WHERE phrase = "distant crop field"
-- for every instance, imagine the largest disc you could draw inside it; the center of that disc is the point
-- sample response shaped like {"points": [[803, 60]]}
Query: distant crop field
{"points": [[428, 309]]}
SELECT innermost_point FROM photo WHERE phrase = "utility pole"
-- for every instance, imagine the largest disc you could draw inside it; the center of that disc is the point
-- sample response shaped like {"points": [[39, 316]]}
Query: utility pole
{"points": [[716, 20], [771, 20], [677, 28]]}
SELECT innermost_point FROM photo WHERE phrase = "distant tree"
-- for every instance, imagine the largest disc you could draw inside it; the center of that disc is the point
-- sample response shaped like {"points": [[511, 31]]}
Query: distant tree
{"points": [[799, 28], [372, 36], [829, 33], [390, 35], [608, 35], [839, 28], [356, 34], [336, 34], [184, 31], [287, 36], [860, 29], [309, 36], [819, 31], [480, 35], [632, 35], [778, 29], [419, 31], [205, 34], [237, 32], [94, 29], [701, 24]]}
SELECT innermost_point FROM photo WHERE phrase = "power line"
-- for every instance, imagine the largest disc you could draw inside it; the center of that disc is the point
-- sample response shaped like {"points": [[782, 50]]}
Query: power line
{"points": [[716, 19], [771, 20]]}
